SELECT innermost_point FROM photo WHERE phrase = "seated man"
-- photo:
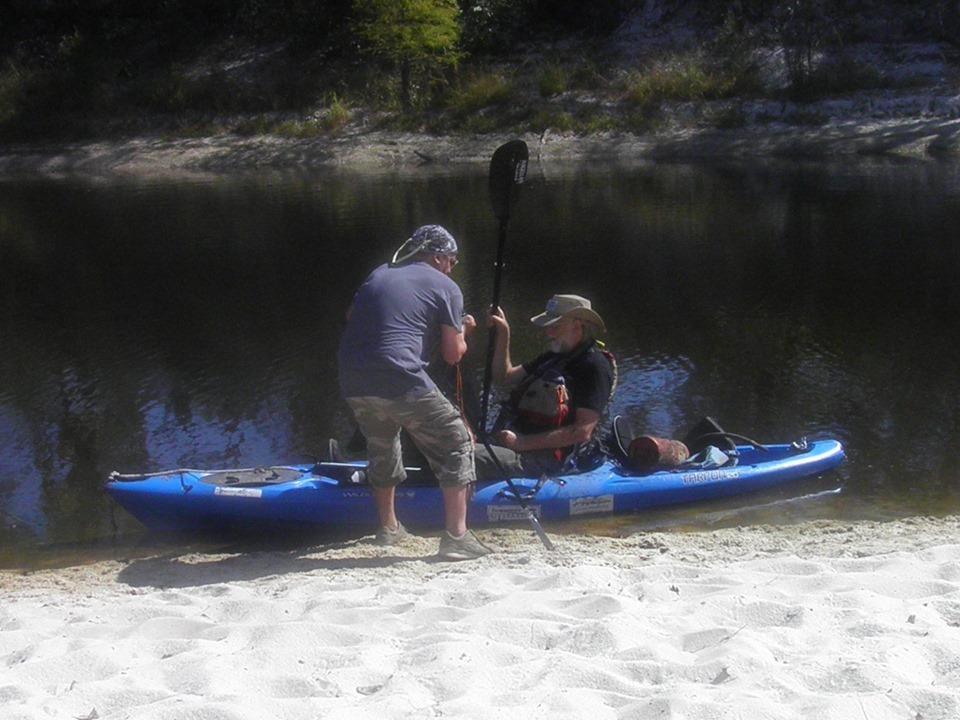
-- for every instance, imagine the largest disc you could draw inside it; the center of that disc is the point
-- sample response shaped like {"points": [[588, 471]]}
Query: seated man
{"points": [[558, 397]]}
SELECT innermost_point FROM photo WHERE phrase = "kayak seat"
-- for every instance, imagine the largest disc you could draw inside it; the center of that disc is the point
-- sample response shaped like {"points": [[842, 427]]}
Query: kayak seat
{"points": [[708, 432], [620, 436], [332, 452], [345, 473]]}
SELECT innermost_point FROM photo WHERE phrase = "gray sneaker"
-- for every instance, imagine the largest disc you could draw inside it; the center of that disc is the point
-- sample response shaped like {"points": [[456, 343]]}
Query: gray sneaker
{"points": [[467, 547], [391, 537]]}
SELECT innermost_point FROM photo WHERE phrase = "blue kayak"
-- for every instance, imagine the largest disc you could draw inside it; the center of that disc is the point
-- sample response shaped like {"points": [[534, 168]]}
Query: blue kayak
{"points": [[332, 495]]}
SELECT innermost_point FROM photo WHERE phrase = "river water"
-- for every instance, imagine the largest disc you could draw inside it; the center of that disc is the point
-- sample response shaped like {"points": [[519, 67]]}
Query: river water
{"points": [[157, 324]]}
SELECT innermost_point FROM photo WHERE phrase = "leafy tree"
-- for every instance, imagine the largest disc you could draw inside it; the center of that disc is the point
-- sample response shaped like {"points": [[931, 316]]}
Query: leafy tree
{"points": [[414, 35], [307, 25], [803, 26], [491, 26], [596, 17]]}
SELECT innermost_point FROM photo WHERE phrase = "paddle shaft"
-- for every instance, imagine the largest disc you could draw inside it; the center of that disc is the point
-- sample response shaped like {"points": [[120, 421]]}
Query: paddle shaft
{"points": [[492, 335], [487, 381], [537, 527]]}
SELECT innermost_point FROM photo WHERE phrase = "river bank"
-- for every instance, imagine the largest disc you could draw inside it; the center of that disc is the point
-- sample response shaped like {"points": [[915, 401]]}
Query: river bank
{"points": [[367, 152]]}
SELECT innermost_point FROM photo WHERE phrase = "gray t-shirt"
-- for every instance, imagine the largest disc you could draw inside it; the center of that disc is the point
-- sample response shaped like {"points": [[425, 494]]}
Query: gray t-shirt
{"points": [[394, 330]]}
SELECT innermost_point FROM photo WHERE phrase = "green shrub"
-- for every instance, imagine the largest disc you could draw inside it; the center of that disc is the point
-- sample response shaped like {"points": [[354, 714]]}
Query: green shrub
{"points": [[685, 78], [337, 115], [12, 82], [256, 125], [552, 119], [590, 120], [481, 124], [482, 91], [300, 128], [494, 25], [845, 74], [730, 118], [330, 121], [552, 80]]}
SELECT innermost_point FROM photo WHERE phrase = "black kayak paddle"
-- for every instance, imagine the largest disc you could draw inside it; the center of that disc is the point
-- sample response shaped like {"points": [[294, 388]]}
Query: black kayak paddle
{"points": [[508, 170]]}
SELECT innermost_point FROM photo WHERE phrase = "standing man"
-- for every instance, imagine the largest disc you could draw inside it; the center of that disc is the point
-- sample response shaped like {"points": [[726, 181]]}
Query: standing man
{"points": [[404, 313], [547, 426]]}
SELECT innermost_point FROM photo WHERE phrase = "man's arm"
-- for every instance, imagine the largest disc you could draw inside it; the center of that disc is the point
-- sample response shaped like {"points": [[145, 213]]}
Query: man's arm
{"points": [[581, 430], [504, 370], [453, 341]]}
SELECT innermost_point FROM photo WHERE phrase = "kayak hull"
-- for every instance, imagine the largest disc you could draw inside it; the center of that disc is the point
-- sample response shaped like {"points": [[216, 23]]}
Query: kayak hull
{"points": [[328, 496]]}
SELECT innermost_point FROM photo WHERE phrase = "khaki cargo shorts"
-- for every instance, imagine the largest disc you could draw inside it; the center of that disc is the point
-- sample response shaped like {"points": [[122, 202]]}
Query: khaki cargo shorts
{"points": [[435, 426]]}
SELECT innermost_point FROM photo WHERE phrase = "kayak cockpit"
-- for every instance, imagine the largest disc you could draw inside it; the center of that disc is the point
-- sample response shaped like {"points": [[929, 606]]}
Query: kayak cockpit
{"points": [[252, 477]]}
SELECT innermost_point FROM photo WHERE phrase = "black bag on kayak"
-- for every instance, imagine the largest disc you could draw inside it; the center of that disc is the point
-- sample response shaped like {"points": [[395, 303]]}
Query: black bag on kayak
{"points": [[708, 432]]}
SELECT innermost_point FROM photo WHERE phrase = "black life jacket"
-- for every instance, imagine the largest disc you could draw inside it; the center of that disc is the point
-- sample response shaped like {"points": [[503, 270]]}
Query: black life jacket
{"points": [[542, 400]]}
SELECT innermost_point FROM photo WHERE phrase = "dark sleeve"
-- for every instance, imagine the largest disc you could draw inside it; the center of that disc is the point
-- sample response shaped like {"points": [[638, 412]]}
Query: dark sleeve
{"points": [[591, 380], [451, 311], [530, 366]]}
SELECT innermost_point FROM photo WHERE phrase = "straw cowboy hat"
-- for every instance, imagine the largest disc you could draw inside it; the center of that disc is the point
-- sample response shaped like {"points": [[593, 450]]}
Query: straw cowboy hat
{"points": [[568, 306]]}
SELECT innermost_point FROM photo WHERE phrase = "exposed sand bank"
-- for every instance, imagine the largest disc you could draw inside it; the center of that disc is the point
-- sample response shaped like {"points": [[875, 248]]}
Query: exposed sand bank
{"points": [[372, 151]]}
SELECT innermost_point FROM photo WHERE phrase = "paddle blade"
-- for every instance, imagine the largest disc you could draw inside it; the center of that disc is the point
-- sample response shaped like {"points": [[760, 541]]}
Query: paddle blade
{"points": [[508, 170], [538, 528]]}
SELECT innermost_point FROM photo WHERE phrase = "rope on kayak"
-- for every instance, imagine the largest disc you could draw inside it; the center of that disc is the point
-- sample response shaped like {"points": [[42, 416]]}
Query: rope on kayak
{"points": [[193, 471], [141, 476], [459, 396]]}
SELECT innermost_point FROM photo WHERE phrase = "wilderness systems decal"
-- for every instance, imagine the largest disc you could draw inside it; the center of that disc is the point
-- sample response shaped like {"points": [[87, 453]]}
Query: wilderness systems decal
{"points": [[238, 492], [496, 513], [591, 505]]}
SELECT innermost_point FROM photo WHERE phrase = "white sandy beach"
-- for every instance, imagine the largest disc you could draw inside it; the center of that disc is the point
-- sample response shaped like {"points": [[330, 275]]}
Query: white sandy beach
{"points": [[834, 621], [818, 620]]}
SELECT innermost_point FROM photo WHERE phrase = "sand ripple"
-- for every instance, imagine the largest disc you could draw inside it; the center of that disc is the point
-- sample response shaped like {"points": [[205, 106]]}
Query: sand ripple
{"points": [[812, 621]]}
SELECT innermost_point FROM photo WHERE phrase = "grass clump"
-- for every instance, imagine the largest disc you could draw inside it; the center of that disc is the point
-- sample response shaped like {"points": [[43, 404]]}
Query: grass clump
{"points": [[685, 78], [553, 119], [337, 115], [11, 90], [256, 125], [481, 91], [327, 121], [552, 80]]}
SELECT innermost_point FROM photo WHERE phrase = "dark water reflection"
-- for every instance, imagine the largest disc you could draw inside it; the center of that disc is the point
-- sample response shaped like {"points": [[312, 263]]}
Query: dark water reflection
{"points": [[152, 325]]}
